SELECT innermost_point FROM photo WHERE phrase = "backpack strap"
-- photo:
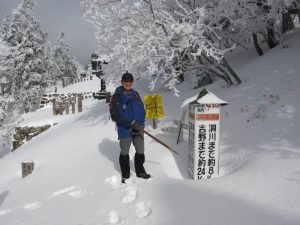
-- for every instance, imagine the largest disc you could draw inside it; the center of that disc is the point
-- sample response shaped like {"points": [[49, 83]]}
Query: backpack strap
{"points": [[138, 96]]}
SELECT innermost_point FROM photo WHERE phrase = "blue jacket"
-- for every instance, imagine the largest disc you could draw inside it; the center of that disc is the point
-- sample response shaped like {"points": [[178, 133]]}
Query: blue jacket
{"points": [[128, 107]]}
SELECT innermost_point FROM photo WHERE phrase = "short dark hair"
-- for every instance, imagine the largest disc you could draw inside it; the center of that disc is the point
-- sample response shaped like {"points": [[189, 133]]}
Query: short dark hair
{"points": [[127, 77]]}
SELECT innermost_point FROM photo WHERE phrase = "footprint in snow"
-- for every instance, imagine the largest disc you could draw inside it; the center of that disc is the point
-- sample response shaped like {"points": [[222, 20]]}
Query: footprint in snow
{"points": [[4, 212], [32, 206], [114, 217], [77, 194], [142, 209], [131, 194], [63, 191], [134, 180], [114, 181]]}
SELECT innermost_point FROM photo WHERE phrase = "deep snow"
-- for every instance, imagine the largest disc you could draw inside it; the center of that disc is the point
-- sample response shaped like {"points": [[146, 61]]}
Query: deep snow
{"points": [[77, 179]]}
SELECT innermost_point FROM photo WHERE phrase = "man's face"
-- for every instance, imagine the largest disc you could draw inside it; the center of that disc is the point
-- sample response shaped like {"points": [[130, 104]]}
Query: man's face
{"points": [[127, 85]]}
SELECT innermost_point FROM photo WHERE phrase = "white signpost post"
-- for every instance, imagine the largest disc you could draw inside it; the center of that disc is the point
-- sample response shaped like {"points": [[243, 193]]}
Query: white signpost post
{"points": [[204, 135]]}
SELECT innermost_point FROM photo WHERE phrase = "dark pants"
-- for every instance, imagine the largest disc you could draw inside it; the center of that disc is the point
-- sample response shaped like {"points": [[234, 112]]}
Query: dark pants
{"points": [[138, 143]]}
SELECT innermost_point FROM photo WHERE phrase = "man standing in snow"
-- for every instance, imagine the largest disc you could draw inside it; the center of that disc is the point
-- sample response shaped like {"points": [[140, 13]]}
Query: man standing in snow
{"points": [[129, 115]]}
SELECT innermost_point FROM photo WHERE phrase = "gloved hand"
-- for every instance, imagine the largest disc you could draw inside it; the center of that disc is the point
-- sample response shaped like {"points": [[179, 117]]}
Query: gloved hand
{"points": [[136, 127]]}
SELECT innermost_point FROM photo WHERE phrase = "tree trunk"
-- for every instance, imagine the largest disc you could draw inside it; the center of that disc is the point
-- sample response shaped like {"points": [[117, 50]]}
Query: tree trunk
{"points": [[216, 66], [271, 40], [232, 73], [214, 73], [272, 43], [181, 77], [256, 45], [287, 22]]}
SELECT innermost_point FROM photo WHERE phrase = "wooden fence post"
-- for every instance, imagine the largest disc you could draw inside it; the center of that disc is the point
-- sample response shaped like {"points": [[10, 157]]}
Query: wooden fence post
{"points": [[80, 97], [54, 106], [108, 96], [73, 107], [67, 107], [64, 104], [60, 108]]}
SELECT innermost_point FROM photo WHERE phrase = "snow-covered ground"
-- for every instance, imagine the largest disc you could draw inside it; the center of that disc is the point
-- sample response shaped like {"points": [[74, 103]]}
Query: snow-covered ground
{"points": [[77, 176]]}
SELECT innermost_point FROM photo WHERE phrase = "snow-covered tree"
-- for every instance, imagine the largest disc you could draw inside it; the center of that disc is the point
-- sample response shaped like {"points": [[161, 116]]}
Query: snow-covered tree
{"points": [[6, 68], [54, 73], [259, 20], [63, 58], [148, 37], [25, 65], [283, 11], [4, 27], [8, 104], [242, 19], [21, 18], [29, 56], [79, 69]]}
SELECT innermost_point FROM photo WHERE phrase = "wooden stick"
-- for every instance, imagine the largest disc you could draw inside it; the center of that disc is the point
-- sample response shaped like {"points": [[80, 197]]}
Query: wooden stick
{"points": [[159, 141]]}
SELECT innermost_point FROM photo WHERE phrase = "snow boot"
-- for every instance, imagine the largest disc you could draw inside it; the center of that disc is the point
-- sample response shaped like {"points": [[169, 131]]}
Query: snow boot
{"points": [[139, 160], [125, 167]]}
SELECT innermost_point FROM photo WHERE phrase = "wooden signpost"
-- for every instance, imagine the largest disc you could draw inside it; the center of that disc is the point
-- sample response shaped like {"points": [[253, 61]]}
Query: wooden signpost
{"points": [[204, 136]]}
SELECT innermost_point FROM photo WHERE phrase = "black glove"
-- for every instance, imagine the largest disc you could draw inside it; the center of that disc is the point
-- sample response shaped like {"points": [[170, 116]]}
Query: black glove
{"points": [[136, 128]]}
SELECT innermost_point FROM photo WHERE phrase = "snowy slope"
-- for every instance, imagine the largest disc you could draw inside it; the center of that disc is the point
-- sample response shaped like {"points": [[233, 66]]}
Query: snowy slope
{"points": [[77, 181]]}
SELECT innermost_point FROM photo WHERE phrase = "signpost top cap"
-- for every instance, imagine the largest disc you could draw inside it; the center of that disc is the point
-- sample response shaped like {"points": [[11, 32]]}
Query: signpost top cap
{"points": [[204, 97]]}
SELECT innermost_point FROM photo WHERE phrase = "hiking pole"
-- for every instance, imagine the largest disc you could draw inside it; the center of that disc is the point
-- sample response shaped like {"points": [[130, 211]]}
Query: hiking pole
{"points": [[159, 141]]}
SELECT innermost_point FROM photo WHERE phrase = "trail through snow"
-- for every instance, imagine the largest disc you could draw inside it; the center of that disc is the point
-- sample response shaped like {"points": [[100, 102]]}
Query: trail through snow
{"points": [[129, 190]]}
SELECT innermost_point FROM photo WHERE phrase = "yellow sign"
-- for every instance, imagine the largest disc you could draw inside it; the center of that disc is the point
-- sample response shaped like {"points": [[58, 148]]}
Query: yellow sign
{"points": [[154, 107]]}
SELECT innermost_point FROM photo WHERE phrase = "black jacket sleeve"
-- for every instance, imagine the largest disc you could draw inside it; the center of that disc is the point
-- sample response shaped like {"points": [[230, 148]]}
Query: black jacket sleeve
{"points": [[118, 108]]}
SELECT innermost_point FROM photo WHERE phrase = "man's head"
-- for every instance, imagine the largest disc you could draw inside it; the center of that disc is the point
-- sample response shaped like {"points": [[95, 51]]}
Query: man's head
{"points": [[127, 81]]}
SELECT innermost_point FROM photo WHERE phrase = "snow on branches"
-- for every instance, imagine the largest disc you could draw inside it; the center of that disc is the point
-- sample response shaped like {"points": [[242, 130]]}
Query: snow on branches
{"points": [[63, 58], [147, 36]]}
